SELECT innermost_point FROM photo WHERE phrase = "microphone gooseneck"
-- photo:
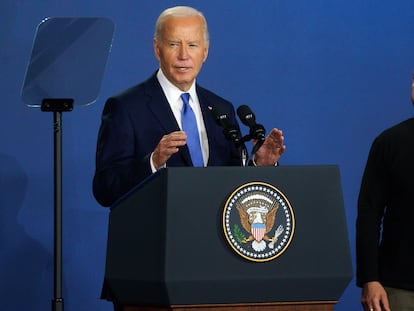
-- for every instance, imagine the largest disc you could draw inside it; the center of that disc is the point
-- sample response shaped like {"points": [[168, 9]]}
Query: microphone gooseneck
{"points": [[231, 132]]}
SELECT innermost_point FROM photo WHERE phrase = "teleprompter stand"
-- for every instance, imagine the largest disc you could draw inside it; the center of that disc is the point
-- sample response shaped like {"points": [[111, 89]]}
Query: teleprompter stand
{"points": [[57, 106], [66, 67]]}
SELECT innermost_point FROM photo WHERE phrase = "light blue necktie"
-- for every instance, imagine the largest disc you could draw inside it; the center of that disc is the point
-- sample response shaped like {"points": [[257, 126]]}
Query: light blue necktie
{"points": [[189, 125]]}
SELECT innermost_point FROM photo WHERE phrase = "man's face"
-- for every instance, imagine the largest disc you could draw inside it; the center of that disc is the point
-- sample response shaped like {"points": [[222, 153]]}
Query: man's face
{"points": [[182, 50]]}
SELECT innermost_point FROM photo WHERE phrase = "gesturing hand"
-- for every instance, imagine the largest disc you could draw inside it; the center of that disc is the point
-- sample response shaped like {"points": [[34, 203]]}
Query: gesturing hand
{"points": [[168, 145], [271, 150]]}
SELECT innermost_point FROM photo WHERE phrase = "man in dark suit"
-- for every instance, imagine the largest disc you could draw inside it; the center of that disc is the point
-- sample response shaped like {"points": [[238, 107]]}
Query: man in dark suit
{"points": [[141, 128]]}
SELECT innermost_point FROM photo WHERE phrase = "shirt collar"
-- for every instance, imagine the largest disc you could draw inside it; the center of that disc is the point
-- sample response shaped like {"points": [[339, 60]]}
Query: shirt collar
{"points": [[172, 92]]}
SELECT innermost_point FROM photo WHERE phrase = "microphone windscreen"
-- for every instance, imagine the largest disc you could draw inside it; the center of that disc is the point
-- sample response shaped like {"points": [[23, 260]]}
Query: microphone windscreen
{"points": [[220, 116], [246, 115]]}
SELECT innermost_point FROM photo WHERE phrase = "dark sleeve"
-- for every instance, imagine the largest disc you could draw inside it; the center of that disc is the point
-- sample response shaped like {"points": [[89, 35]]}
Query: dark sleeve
{"points": [[371, 206], [118, 167]]}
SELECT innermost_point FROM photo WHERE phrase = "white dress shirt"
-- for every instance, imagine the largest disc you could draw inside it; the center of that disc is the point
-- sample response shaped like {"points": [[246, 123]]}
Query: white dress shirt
{"points": [[173, 97]]}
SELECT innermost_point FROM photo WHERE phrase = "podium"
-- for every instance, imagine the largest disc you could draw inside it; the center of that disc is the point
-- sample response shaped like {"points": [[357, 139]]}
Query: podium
{"points": [[167, 249]]}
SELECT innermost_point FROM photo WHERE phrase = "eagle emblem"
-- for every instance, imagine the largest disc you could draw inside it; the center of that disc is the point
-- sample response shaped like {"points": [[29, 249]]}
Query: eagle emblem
{"points": [[257, 216], [258, 221]]}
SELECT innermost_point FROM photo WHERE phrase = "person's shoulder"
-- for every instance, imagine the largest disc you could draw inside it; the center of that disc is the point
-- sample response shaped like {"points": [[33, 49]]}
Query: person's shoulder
{"points": [[401, 127], [135, 91], [205, 93], [396, 134], [407, 124]]}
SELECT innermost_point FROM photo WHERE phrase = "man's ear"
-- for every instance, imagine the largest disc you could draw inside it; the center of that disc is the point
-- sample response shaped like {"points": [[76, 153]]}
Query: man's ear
{"points": [[205, 53], [156, 49]]}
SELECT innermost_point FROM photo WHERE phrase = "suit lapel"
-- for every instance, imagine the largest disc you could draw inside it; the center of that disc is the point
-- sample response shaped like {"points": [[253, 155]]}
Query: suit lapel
{"points": [[209, 122], [158, 104]]}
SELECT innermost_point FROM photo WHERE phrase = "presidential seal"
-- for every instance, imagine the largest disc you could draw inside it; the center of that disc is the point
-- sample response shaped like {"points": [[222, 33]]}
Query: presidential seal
{"points": [[258, 221]]}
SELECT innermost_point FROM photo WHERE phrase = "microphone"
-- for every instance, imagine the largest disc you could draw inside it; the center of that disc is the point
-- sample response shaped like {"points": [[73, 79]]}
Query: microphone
{"points": [[230, 131], [257, 131]]}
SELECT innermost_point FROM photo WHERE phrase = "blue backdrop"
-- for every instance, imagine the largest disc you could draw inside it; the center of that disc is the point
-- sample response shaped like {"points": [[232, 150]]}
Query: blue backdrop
{"points": [[331, 74]]}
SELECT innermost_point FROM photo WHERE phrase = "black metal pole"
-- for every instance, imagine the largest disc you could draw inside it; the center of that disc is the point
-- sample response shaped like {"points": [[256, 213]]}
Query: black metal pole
{"points": [[57, 302], [57, 106]]}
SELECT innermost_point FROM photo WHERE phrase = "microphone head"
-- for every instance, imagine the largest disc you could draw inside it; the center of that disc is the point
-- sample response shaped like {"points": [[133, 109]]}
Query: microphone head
{"points": [[222, 119], [248, 118], [246, 115], [220, 116]]}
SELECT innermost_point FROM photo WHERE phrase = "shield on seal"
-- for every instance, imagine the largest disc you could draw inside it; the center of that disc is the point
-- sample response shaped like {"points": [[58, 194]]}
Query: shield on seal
{"points": [[258, 231]]}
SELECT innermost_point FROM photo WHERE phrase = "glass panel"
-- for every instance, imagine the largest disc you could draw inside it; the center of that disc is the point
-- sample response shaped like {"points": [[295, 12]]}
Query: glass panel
{"points": [[68, 60]]}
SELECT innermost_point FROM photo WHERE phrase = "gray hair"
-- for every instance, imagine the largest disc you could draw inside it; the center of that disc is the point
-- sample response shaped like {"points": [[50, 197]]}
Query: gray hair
{"points": [[179, 11]]}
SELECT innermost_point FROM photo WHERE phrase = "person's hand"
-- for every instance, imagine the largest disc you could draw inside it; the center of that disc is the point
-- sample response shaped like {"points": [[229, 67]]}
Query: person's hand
{"points": [[374, 297], [168, 145], [271, 150]]}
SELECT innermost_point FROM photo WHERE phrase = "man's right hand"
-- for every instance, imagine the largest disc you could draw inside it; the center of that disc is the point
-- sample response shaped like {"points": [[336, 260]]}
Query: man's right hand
{"points": [[374, 297], [168, 145]]}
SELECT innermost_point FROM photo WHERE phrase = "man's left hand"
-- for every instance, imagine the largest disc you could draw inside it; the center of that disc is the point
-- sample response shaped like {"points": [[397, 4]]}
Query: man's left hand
{"points": [[271, 150]]}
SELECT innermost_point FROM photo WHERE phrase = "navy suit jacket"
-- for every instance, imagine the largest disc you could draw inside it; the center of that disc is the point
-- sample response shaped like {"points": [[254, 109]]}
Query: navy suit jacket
{"points": [[134, 121]]}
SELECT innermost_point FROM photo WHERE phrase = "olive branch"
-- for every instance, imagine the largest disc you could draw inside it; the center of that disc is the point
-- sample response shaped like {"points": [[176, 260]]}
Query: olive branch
{"points": [[238, 234]]}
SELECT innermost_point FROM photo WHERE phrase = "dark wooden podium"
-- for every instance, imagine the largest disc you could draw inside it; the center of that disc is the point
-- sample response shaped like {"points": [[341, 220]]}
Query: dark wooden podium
{"points": [[167, 251]]}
